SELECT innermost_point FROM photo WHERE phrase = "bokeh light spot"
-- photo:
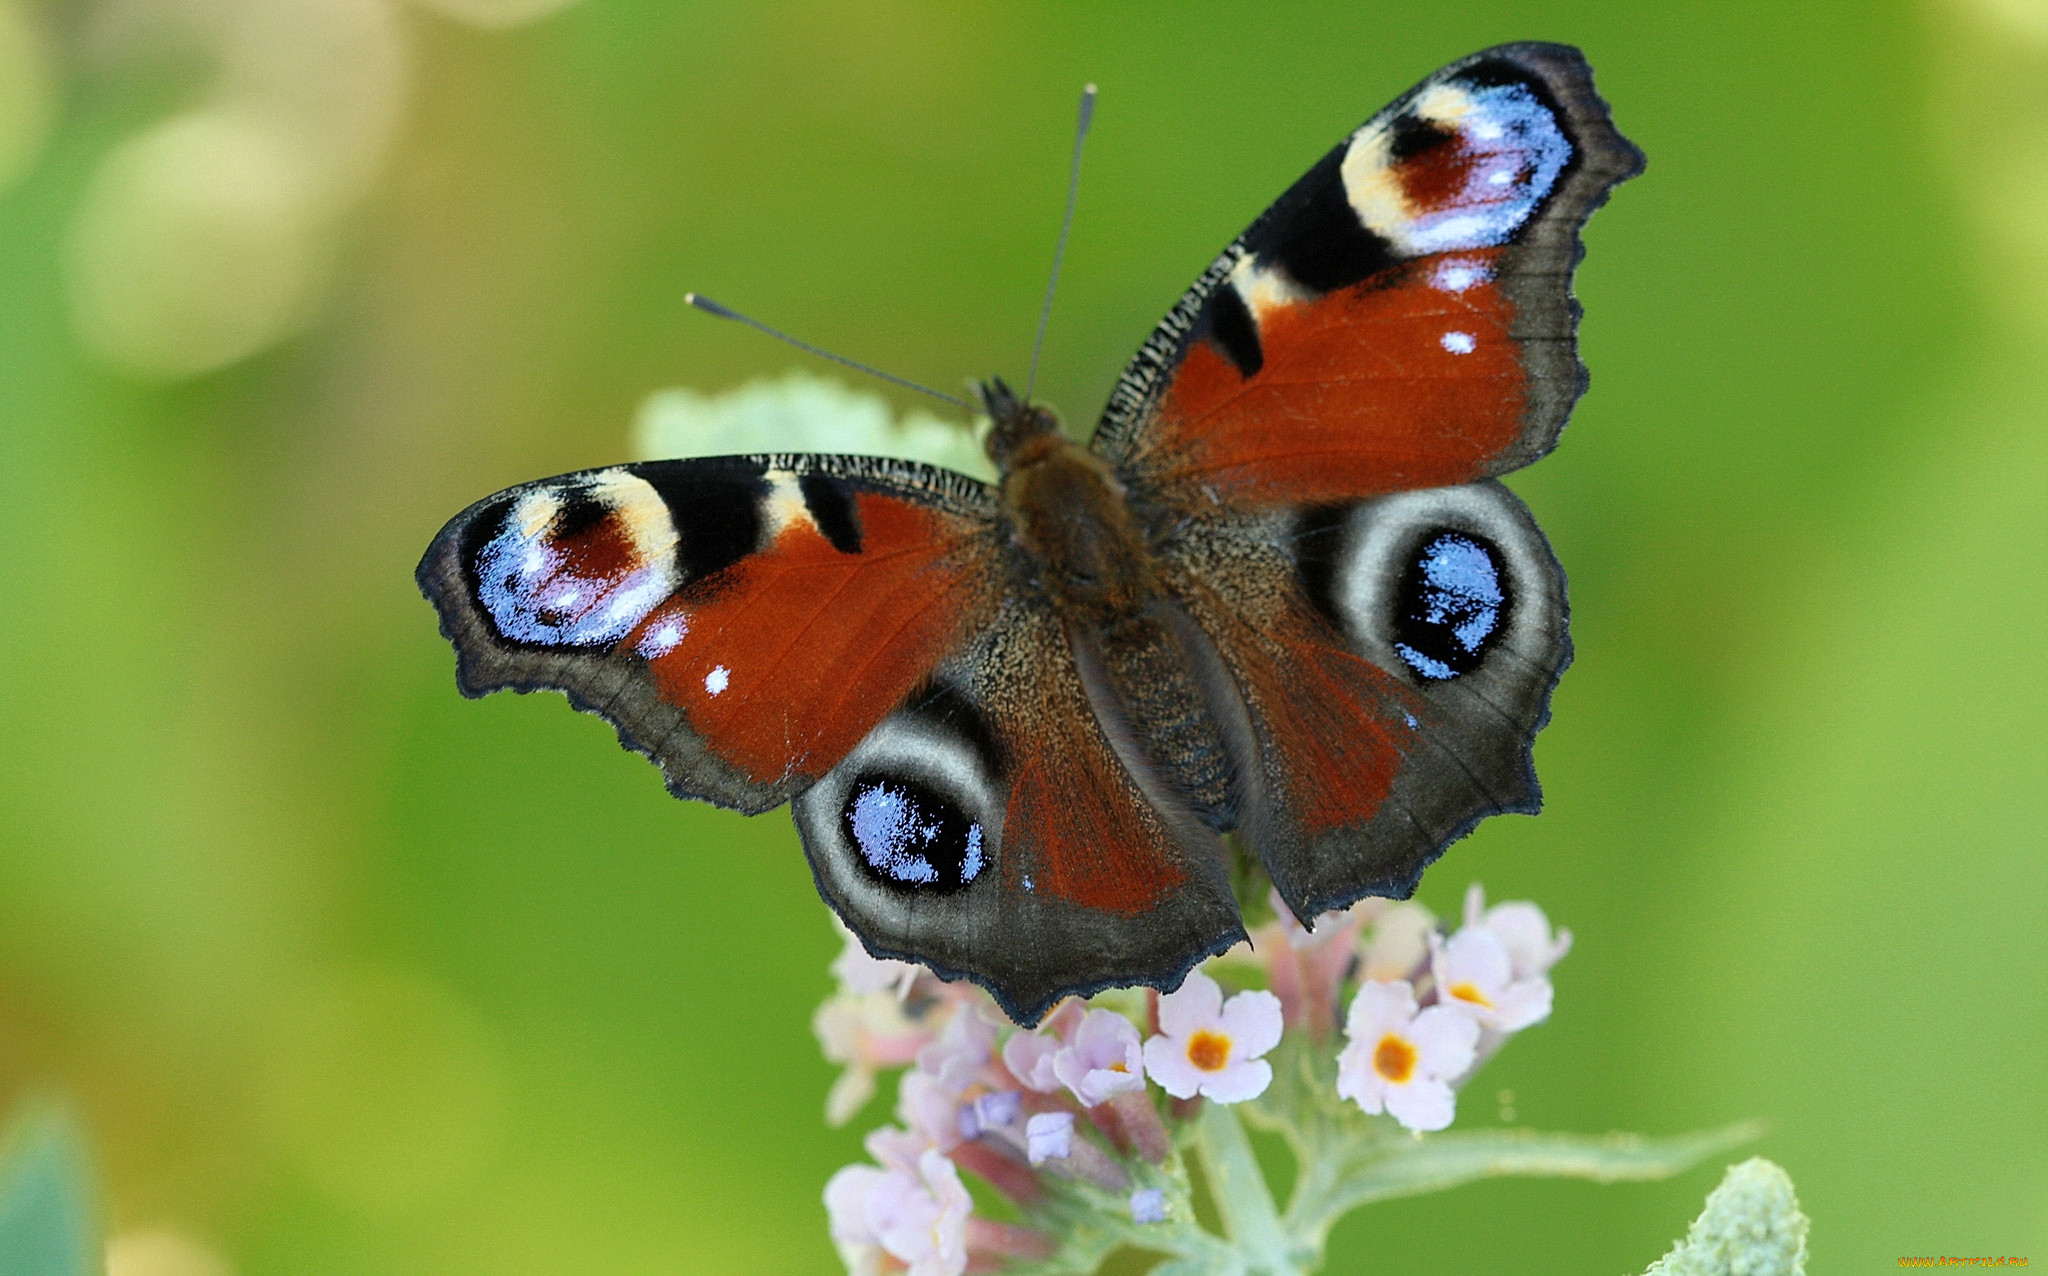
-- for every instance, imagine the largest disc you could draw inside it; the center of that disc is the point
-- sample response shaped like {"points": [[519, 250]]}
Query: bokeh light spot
{"points": [[196, 246]]}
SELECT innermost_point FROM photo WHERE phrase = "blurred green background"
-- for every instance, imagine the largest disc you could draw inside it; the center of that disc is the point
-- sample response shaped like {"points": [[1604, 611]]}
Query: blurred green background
{"points": [[348, 974]]}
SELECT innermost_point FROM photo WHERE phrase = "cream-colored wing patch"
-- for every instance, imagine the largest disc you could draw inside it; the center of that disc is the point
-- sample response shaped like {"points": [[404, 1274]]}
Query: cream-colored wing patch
{"points": [[1265, 288]]}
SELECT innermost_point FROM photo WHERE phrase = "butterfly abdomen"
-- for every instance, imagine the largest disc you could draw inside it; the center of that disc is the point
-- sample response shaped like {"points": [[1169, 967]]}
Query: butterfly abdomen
{"points": [[1152, 676]]}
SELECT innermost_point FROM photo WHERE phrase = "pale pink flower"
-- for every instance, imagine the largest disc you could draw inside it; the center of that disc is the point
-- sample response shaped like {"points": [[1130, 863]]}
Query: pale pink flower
{"points": [[1049, 1136], [860, 971], [1522, 929], [917, 1218], [1304, 968], [1102, 1060], [1148, 1205], [1402, 1062], [1398, 944], [996, 1110], [896, 1148], [931, 1112], [1029, 1054], [1474, 974], [1211, 1046], [864, 1032], [964, 1048]]}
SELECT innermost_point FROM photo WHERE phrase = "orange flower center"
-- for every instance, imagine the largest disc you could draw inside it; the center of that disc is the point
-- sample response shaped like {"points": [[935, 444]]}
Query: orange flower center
{"points": [[1471, 993], [1209, 1051], [1394, 1060]]}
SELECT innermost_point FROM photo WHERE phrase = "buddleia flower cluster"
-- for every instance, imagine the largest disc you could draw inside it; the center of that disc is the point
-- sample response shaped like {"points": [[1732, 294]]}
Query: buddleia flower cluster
{"points": [[1106, 1124]]}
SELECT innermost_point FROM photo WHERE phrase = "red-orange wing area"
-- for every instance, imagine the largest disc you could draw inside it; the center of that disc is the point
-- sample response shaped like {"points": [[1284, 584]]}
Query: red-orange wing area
{"points": [[1333, 730], [784, 660], [1076, 827], [1392, 384]]}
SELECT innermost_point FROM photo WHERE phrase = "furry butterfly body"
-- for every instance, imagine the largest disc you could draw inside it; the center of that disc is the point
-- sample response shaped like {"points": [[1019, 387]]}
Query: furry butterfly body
{"points": [[1279, 595]]}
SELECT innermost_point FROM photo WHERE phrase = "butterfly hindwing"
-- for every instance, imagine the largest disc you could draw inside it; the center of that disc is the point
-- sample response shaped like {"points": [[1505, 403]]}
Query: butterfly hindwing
{"points": [[989, 828], [1395, 657], [744, 621], [1402, 317]]}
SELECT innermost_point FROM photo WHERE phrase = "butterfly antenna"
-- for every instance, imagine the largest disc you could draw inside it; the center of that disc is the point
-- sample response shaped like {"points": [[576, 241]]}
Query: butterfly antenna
{"points": [[1066, 224], [710, 307]]}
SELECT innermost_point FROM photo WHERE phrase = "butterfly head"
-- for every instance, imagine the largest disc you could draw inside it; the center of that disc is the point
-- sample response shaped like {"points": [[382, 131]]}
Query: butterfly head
{"points": [[1014, 423]]}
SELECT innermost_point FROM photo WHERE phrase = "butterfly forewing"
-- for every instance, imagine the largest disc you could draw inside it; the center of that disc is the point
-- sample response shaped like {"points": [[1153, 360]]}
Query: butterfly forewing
{"points": [[743, 621], [1401, 317]]}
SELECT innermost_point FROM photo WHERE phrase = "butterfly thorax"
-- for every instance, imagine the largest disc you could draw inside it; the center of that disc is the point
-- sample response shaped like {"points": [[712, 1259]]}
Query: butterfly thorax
{"points": [[1067, 513]]}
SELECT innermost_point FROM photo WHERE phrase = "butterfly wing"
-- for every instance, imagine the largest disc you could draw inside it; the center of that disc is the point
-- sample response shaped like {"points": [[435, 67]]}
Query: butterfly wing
{"points": [[838, 630], [1402, 317], [1314, 429], [743, 621], [989, 828], [1395, 658]]}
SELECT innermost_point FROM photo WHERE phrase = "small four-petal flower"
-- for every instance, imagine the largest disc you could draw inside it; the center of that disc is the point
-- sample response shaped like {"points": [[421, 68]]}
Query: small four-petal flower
{"points": [[1402, 1061], [1210, 1046], [1102, 1060]]}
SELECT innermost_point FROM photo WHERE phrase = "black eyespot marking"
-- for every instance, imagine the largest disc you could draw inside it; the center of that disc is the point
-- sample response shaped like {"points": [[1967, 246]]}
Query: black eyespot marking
{"points": [[830, 503], [909, 837], [717, 515], [1235, 332], [1451, 606], [1493, 74], [942, 705], [1314, 234], [1318, 544], [1412, 136]]}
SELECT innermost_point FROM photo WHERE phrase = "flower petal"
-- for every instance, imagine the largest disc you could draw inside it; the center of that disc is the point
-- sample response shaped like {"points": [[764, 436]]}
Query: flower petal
{"points": [[1028, 1056], [1194, 1005], [1379, 1008], [1245, 1079], [1166, 1062], [1476, 956], [1356, 1079], [1252, 1021], [1445, 1039], [1525, 1003], [1525, 932], [1422, 1104], [846, 1196], [1399, 943]]}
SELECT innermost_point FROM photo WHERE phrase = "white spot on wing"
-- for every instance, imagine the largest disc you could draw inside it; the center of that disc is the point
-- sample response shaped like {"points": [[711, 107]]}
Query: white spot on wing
{"points": [[662, 636], [1460, 342], [715, 681], [1459, 273]]}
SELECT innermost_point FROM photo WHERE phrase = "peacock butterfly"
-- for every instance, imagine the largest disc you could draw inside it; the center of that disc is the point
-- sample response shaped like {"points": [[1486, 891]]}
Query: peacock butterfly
{"points": [[1280, 595]]}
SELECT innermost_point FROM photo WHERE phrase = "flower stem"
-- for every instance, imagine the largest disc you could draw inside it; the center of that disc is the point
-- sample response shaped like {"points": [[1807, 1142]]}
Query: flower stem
{"points": [[1242, 1197]]}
